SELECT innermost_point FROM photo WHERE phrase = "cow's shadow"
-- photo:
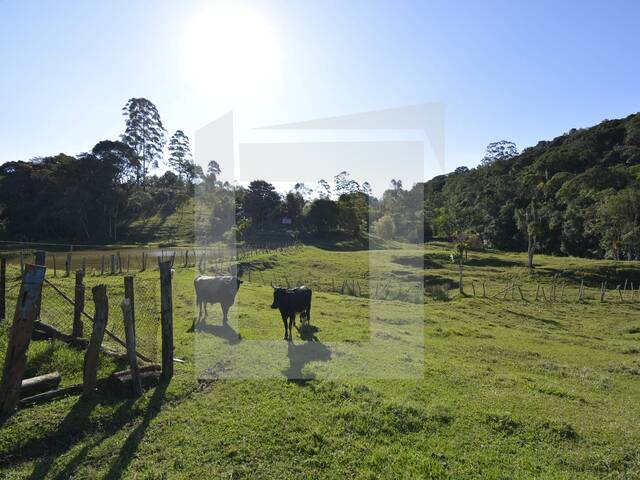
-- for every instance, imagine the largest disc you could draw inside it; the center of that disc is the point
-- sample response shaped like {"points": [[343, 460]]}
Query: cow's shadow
{"points": [[224, 331], [308, 332], [310, 350]]}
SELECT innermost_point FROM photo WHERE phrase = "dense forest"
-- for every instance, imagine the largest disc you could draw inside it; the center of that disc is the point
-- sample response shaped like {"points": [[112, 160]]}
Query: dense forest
{"points": [[578, 194]]}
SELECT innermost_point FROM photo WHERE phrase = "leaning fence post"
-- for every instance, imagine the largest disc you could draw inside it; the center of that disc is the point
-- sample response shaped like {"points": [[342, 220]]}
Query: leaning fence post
{"points": [[78, 305], [3, 287], [166, 319], [20, 337], [90, 373], [128, 294], [130, 338]]}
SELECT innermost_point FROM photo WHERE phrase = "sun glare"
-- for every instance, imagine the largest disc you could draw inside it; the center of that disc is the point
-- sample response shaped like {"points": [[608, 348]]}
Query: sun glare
{"points": [[232, 53]]}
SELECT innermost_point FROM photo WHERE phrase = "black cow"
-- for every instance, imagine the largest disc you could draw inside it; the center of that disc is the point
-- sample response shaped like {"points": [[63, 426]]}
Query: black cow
{"points": [[292, 301]]}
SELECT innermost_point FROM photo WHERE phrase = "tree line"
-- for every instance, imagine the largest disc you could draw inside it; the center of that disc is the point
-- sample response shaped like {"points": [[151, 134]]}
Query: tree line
{"points": [[578, 194]]}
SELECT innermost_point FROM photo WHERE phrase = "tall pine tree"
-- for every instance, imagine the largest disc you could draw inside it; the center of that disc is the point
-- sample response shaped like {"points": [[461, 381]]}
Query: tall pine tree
{"points": [[144, 133], [180, 154]]}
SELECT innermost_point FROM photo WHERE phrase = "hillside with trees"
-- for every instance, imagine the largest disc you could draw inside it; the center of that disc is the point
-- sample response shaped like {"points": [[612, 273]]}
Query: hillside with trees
{"points": [[578, 194]]}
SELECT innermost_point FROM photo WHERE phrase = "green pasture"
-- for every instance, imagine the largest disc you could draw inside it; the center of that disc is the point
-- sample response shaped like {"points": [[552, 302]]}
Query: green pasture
{"points": [[472, 387]]}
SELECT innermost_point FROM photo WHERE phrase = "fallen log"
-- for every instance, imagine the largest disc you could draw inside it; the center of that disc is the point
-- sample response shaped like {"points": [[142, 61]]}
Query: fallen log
{"points": [[43, 330], [51, 395], [122, 382], [35, 385], [47, 332], [149, 375]]}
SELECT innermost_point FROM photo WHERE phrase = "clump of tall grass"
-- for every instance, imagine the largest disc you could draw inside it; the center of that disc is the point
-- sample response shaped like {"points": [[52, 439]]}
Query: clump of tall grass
{"points": [[439, 293]]}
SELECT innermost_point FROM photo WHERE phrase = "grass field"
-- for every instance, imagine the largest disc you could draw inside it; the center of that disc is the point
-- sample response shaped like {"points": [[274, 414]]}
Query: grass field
{"points": [[472, 387]]}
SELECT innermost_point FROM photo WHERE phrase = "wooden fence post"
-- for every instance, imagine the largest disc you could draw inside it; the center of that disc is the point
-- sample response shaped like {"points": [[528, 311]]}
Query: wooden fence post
{"points": [[20, 337], [129, 295], [55, 267], [3, 287], [21, 263], [119, 262], [102, 265], [130, 339], [90, 373], [67, 265], [41, 257], [603, 289], [166, 319], [40, 260], [84, 265], [112, 264], [581, 292], [78, 305]]}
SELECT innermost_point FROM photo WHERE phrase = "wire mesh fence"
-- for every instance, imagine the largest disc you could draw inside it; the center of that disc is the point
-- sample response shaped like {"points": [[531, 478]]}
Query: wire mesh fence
{"points": [[57, 308]]}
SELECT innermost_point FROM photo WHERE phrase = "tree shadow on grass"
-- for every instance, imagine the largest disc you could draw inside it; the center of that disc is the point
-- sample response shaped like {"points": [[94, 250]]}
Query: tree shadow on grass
{"points": [[312, 350], [493, 262], [547, 321], [132, 442]]}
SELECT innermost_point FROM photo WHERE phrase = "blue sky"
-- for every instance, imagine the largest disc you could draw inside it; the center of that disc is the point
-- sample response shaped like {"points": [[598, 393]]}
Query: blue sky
{"points": [[522, 71]]}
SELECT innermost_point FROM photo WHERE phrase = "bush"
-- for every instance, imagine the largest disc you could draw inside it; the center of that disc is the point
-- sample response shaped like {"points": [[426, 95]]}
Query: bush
{"points": [[384, 227]]}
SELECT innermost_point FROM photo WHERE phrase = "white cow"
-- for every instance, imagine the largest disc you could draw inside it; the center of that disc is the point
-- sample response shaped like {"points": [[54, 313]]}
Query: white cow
{"points": [[212, 290]]}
